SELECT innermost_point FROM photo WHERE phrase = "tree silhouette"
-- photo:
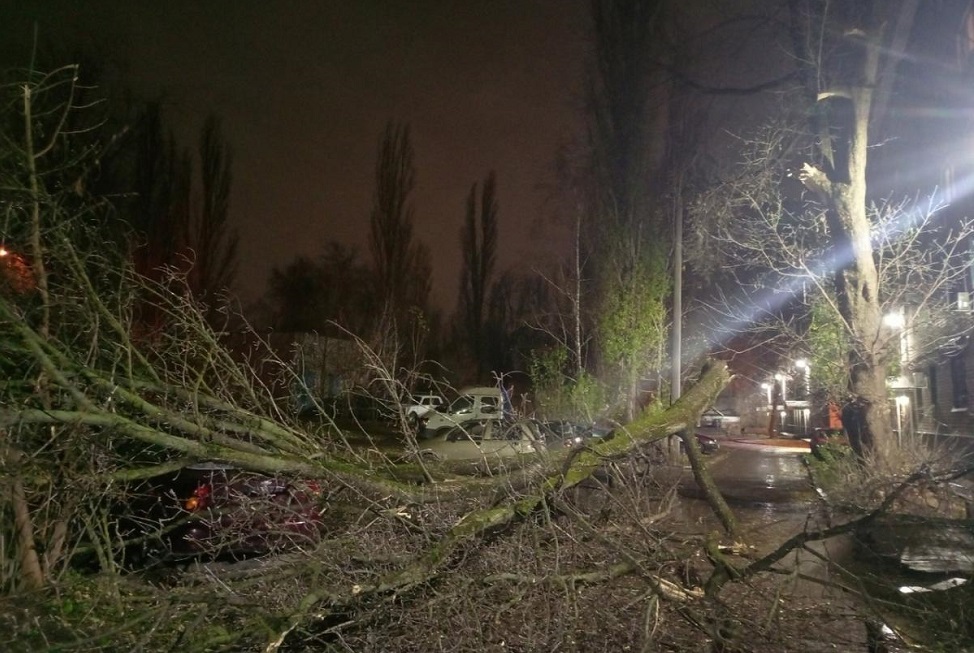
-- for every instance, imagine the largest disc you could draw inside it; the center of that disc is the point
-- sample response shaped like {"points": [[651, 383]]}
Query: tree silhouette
{"points": [[402, 268], [478, 241], [212, 240], [159, 211], [306, 295]]}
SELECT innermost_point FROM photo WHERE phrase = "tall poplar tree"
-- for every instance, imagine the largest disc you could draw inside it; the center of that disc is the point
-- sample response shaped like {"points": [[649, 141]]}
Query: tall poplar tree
{"points": [[402, 266], [211, 237], [628, 235], [160, 178], [478, 242]]}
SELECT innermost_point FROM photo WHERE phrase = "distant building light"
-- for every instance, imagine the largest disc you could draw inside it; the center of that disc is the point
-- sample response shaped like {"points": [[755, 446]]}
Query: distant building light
{"points": [[15, 272], [963, 301]]}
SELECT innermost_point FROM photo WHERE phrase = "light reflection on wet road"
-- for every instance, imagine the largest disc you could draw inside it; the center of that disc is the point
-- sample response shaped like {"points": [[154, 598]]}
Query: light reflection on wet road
{"points": [[768, 491], [772, 500], [754, 476]]}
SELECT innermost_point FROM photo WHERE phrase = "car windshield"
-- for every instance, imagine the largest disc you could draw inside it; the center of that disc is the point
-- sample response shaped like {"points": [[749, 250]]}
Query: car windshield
{"points": [[462, 404]]}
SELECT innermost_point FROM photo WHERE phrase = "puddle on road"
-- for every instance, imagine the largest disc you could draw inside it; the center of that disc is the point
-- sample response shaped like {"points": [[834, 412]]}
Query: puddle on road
{"points": [[772, 501], [762, 520], [769, 493], [761, 488]]}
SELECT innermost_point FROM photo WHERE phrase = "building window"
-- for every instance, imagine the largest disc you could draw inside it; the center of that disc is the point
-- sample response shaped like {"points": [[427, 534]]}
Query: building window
{"points": [[932, 385], [958, 381]]}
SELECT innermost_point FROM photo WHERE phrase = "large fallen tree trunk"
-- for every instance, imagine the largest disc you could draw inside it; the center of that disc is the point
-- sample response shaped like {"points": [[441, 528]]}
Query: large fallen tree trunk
{"points": [[491, 520]]}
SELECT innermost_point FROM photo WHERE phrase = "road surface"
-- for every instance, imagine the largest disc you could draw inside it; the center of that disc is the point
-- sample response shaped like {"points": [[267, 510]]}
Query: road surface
{"points": [[756, 475]]}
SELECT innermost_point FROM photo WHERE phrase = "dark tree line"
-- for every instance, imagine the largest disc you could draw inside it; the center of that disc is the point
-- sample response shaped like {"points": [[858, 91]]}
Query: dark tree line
{"points": [[308, 294], [386, 299], [173, 201]]}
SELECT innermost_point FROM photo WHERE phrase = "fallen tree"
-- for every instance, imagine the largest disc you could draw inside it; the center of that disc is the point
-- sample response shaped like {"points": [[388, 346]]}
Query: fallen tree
{"points": [[147, 407], [96, 397], [570, 548]]}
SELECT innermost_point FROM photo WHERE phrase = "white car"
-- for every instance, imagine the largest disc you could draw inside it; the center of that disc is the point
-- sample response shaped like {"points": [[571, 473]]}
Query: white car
{"points": [[421, 406], [485, 439], [715, 418], [476, 404]]}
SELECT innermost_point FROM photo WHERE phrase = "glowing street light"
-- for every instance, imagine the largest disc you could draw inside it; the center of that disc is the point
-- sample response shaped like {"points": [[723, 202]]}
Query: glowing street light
{"points": [[783, 380], [896, 320], [806, 367]]}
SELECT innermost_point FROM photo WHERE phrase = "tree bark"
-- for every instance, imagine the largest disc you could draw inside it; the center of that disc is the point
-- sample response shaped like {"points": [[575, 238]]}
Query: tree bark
{"points": [[842, 188], [706, 483]]}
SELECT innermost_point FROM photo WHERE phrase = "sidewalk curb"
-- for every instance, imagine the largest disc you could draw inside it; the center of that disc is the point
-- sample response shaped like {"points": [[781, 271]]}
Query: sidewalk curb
{"points": [[765, 445]]}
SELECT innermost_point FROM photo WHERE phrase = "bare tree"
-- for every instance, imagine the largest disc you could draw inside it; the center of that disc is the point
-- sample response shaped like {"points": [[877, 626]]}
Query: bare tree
{"points": [[402, 266], [160, 181], [862, 256]]}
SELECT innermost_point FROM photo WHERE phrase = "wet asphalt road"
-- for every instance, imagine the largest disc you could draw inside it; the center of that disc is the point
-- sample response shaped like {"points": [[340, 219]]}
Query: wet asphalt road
{"points": [[755, 476], [771, 497]]}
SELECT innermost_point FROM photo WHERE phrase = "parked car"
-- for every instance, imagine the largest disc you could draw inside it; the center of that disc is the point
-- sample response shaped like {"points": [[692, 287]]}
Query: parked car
{"points": [[490, 438], [421, 405], [563, 433], [570, 434], [215, 508], [716, 418], [707, 444], [475, 404], [829, 442]]}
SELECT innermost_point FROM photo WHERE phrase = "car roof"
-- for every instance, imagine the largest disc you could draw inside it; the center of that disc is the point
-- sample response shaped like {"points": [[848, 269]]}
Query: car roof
{"points": [[480, 390]]}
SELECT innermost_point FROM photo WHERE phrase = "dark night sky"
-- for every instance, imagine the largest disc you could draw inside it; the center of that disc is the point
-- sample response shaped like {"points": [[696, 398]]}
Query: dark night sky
{"points": [[305, 87]]}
